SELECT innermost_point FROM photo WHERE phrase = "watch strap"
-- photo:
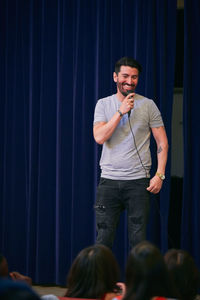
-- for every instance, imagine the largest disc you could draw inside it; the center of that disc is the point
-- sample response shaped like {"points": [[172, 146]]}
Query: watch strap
{"points": [[121, 114]]}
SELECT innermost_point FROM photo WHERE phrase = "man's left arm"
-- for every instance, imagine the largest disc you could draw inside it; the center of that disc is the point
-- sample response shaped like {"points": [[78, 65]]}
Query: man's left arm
{"points": [[162, 150]]}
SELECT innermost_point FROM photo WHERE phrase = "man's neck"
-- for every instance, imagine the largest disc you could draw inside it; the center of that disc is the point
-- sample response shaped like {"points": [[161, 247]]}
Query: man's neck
{"points": [[120, 97]]}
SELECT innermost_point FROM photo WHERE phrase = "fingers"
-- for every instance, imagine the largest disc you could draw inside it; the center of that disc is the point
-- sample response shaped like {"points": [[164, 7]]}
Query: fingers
{"points": [[153, 190], [155, 185], [130, 100], [17, 276], [12, 275], [127, 104], [130, 96]]}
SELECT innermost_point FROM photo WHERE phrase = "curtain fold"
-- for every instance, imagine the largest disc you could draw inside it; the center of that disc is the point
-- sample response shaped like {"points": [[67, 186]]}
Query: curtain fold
{"points": [[57, 58], [190, 229]]}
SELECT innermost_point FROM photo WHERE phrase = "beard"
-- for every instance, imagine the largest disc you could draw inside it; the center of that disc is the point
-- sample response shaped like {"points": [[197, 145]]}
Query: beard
{"points": [[125, 88]]}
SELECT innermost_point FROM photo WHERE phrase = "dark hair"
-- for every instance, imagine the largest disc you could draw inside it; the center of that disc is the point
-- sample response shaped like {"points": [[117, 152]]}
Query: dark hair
{"points": [[1, 258], [127, 61], [146, 274], [184, 273], [3, 266], [93, 273]]}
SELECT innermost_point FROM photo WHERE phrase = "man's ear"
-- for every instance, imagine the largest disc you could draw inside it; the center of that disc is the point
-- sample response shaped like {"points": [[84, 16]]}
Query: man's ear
{"points": [[115, 77]]}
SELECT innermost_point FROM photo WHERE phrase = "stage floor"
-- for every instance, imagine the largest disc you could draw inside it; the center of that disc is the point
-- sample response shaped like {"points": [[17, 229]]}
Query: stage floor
{"points": [[45, 290]]}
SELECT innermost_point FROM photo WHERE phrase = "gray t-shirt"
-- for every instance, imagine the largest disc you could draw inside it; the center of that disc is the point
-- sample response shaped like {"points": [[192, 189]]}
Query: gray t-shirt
{"points": [[119, 158]]}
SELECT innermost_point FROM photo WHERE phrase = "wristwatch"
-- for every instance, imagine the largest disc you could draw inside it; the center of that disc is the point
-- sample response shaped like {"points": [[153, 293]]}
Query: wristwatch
{"points": [[161, 176], [121, 114]]}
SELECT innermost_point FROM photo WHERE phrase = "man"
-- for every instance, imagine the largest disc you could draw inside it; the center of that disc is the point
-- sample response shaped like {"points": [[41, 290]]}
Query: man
{"points": [[123, 123]]}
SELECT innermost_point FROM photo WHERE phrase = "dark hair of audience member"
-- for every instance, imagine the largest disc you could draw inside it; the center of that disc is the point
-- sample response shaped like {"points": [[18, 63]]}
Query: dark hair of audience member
{"points": [[146, 274], [184, 273], [3, 266], [93, 273]]}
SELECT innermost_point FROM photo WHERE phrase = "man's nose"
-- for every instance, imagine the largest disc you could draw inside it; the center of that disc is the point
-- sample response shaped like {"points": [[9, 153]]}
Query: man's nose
{"points": [[129, 80]]}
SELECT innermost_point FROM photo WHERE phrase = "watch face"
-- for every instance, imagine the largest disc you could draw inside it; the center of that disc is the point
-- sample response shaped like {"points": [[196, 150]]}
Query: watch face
{"points": [[162, 176]]}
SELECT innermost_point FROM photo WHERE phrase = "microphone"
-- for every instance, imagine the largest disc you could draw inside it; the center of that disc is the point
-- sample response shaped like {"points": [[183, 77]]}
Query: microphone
{"points": [[129, 92]]}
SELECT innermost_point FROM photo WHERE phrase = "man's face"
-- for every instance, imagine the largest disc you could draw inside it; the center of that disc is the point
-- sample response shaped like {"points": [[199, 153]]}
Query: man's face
{"points": [[126, 79]]}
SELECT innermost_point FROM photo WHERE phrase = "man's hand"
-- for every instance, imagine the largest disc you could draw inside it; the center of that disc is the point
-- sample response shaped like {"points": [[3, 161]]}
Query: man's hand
{"points": [[155, 185], [127, 104]]}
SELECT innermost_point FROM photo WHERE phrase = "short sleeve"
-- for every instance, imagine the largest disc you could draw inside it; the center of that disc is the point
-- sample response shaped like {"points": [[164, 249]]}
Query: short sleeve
{"points": [[155, 118], [99, 113]]}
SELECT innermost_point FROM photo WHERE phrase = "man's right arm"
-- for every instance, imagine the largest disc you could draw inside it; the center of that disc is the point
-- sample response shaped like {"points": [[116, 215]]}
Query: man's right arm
{"points": [[103, 130]]}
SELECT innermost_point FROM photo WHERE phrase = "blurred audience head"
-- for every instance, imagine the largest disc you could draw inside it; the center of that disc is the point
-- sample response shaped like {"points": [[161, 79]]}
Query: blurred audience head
{"points": [[184, 273], [93, 273], [3, 266], [10, 290], [146, 273]]}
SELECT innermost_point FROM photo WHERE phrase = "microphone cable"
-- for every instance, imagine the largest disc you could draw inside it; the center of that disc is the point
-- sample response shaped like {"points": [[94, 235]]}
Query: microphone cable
{"points": [[135, 145]]}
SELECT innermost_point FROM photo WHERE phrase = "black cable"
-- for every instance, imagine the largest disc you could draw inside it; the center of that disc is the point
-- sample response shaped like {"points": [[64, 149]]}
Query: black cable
{"points": [[158, 208], [136, 146]]}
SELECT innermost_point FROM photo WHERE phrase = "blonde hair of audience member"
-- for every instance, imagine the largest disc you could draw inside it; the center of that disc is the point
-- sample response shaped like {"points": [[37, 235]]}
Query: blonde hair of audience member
{"points": [[94, 274], [146, 274], [184, 273]]}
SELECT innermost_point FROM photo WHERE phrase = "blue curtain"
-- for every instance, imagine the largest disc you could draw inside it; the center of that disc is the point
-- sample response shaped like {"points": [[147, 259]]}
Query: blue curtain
{"points": [[190, 229], [56, 60]]}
